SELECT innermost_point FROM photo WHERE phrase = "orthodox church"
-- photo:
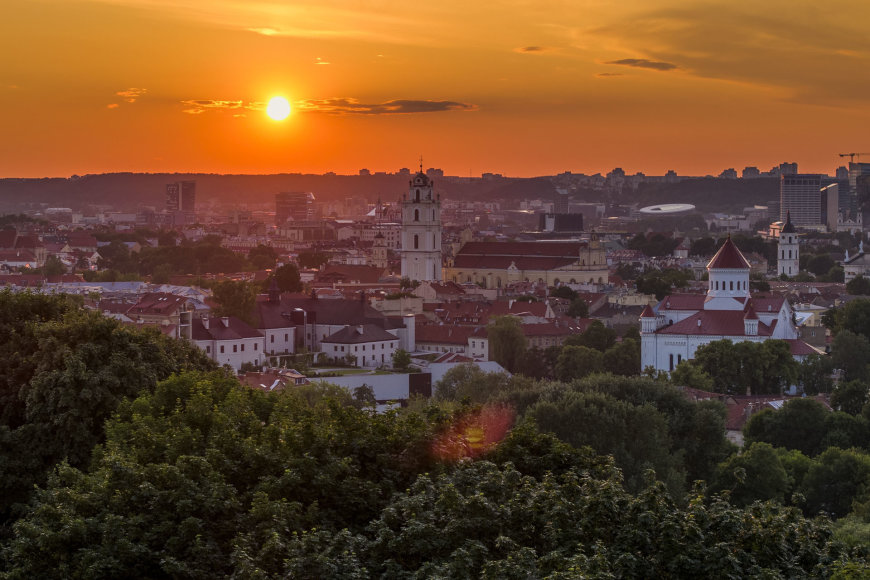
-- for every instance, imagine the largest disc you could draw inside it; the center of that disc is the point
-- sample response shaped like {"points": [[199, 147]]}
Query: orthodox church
{"points": [[679, 324]]}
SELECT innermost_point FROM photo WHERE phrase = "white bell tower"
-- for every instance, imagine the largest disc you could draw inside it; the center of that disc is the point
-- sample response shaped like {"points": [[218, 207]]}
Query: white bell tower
{"points": [[788, 260], [421, 231]]}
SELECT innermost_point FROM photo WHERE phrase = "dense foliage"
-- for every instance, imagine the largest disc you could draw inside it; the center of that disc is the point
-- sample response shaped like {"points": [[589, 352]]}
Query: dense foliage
{"points": [[204, 478], [63, 372]]}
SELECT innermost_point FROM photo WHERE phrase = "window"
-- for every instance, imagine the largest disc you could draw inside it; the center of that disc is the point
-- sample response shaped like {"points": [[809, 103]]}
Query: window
{"points": [[342, 349], [416, 242], [416, 215], [255, 346], [285, 337], [335, 349], [356, 349], [732, 284], [671, 362], [235, 348], [243, 347], [272, 338], [222, 349], [208, 350]]}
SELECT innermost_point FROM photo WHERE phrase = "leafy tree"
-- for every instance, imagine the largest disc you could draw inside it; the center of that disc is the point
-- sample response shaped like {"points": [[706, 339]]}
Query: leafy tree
{"points": [[623, 358], [815, 374], [263, 257], [64, 375], [576, 362], [205, 478], [845, 431], [688, 374], [850, 352], [799, 424], [835, 480], [313, 259], [235, 299], [856, 317], [661, 282], [579, 308], [704, 247], [574, 526], [401, 359], [850, 397], [507, 343], [161, 274], [819, 264], [717, 360], [859, 285], [565, 292], [595, 336], [755, 475], [467, 381], [288, 279], [53, 266]]}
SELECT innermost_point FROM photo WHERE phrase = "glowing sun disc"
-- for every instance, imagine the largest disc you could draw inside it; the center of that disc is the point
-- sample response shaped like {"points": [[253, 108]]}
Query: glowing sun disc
{"points": [[278, 108]]}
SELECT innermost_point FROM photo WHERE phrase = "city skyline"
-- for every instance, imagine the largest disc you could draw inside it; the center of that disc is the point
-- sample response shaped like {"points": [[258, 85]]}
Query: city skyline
{"points": [[517, 88]]}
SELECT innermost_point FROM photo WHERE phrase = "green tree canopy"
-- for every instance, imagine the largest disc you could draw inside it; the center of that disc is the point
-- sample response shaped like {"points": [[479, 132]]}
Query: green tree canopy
{"points": [[507, 343]]}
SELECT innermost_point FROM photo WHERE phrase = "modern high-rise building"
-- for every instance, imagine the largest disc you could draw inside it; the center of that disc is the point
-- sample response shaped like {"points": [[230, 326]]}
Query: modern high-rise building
{"points": [[297, 206], [181, 202], [800, 196]]}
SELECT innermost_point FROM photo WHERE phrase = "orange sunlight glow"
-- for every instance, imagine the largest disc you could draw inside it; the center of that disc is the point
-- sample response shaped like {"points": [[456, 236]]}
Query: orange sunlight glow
{"points": [[278, 108], [474, 434]]}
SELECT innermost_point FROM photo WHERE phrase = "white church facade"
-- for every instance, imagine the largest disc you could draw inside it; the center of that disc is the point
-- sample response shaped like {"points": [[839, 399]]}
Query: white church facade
{"points": [[681, 323], [421, 231]]}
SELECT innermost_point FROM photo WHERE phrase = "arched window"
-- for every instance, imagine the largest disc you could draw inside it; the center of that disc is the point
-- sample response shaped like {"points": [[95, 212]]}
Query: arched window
{"points": [[416, 242], [732, 284], [416, 215], [417, 196], [717, 284]]}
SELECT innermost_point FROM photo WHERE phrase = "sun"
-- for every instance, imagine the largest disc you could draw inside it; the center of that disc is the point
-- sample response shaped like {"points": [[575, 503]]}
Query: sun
{"points": [[278, 108]]}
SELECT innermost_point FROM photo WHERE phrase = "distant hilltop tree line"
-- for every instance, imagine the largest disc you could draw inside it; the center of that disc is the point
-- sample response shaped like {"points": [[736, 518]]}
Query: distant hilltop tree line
{"points": [[128, 454]]}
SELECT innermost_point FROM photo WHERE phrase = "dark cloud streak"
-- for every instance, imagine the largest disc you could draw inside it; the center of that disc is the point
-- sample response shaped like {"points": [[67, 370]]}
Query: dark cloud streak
{"points": [[346, 106], [644, 63]]}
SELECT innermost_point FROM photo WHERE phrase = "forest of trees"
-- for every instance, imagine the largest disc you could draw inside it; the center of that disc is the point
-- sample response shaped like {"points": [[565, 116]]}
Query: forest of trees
{"points": [[126, 454]]}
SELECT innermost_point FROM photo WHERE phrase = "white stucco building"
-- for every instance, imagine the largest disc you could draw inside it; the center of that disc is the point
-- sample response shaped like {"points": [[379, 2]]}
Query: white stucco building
{"points": [[679, 324], [369, 344], [228, 341]]}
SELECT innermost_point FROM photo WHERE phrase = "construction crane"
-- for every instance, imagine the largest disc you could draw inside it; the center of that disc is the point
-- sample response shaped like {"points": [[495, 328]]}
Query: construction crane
{"points": [[852, 156]]}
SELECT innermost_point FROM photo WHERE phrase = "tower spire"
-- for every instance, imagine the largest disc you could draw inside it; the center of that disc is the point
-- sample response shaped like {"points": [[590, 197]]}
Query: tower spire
{"points": [[421, 163]]}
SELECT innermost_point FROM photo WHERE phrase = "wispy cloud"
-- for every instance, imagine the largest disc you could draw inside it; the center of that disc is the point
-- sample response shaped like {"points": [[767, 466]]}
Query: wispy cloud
{"points": [[347, 106], [199, 106], [644, 63], [132, 94], [533, 49], [609, 74], [319, 60]]}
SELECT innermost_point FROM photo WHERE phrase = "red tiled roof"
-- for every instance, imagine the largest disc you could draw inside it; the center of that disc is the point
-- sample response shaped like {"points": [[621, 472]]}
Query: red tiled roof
{"points": [[539, 249], [683, 302], [503, 262], [716, 323], [647, 312], [728, 257], [439, 334], [800, 348]]}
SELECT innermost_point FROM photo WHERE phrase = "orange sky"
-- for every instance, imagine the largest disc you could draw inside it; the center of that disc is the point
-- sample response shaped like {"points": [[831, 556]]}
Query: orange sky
{"points": [[519, 87]]}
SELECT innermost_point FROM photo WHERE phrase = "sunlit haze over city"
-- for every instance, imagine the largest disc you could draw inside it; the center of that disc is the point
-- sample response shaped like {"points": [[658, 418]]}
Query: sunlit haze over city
{"points": [[514, 87]]}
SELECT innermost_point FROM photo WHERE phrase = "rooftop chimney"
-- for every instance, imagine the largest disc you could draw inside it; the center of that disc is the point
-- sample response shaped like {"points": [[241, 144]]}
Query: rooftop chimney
{"points": [[205, 323], [226, 321]]}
